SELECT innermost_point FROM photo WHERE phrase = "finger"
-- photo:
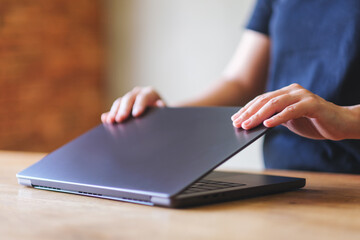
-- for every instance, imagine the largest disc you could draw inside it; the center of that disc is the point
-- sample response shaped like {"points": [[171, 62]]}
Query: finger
{"points": [[146, 98], [263, 99], [243, 109], [250, 108], [141, 103], [126, 105], [291, 112], [256, 106], [236, 115], [275, 105], [113, 111], [104, 117]]}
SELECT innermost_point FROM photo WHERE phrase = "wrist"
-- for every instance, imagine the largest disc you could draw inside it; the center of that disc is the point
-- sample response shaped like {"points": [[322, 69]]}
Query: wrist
{"points": [[353, 122]]}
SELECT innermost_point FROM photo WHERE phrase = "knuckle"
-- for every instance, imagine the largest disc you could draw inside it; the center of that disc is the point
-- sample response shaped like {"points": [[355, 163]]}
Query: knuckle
{"points": [[295, 85], [252, 101], [141, 96], [256, 116], [117, 101], [148, 89], [127, 96], [245, 114], [304, 91], [313, 98], [274, 101], [290, 108], [136, 89], [257, 97], [278, 117], [263, 98], [310, 100]]}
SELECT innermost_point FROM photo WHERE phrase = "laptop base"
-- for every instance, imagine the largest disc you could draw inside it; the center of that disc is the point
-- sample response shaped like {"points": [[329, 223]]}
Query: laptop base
{"points": [[245, 185]]}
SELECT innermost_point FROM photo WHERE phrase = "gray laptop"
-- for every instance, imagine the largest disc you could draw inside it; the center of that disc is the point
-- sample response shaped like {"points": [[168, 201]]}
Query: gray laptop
{"points": [[164, 158]]}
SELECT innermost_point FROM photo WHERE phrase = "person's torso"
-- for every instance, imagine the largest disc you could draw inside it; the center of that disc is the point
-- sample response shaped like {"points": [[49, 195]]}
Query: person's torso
{"points": [[315, 43]]}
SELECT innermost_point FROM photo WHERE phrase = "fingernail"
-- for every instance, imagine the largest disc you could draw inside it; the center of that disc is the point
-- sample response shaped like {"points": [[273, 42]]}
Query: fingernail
{"points": [[238, 120], [235, 116], [268, 121], [246, 123], [119, 117], [236, 125], [135, 111]]}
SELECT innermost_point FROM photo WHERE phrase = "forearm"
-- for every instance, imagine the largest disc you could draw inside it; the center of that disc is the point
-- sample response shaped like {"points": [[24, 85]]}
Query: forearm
{"points": [[243, 78], [223, 93], [352, 122]]}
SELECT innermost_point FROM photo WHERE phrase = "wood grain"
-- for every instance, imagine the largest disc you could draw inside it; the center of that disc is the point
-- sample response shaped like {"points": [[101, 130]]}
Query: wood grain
{"points": [[327, 208]]}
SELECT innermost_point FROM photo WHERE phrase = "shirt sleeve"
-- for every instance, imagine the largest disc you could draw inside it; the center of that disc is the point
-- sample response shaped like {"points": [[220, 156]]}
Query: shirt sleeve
{"points": [[260, 18]]}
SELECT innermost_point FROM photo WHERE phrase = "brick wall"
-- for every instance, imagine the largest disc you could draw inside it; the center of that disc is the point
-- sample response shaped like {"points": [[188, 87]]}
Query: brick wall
{"points": [[51, 71]]}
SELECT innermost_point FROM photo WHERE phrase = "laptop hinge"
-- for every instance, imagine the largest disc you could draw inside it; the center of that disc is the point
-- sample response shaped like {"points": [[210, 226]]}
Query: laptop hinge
{"points": [[160, 201], [25, 182]]}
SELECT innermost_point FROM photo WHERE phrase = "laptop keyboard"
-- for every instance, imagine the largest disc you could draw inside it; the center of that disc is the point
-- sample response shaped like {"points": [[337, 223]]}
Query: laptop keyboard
{"points": [[204, 185]]}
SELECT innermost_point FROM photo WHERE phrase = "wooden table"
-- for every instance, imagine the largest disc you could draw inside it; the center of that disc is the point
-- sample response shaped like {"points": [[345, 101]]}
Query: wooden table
{"points": [[327, 208]]}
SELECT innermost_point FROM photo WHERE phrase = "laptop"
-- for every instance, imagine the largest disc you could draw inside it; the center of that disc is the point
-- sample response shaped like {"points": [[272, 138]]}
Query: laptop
{"points": [[164, 158]]}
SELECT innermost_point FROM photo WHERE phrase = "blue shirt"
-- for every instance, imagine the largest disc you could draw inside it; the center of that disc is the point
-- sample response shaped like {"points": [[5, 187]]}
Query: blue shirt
{"points": [[316, 44]]}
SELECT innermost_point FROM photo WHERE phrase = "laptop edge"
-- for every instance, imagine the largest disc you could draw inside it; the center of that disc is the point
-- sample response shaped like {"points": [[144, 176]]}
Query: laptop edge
{"points": [[255, 185]]}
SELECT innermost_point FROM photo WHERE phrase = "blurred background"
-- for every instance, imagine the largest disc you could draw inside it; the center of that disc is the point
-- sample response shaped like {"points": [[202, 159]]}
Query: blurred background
{"points": [[63, 62]]}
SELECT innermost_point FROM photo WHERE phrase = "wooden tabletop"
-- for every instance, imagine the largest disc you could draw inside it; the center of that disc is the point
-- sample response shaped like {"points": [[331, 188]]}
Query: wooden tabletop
{"points": [[327, 208]]}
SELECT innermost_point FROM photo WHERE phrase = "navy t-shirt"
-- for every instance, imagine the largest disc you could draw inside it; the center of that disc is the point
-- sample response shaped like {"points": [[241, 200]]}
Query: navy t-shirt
{"points": [[316, 44]]}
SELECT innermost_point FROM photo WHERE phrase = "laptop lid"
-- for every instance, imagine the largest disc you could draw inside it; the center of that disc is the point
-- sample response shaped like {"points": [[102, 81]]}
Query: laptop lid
{"points": [[158, 154]]}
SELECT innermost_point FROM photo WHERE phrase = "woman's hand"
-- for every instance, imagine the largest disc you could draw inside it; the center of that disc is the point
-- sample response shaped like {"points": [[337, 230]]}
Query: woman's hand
{"points": [[302, 112], [134, 102]]}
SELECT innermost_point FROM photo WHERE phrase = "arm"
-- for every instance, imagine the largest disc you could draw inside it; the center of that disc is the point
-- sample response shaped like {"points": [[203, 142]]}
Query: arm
{"points": [[243, 79]]}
